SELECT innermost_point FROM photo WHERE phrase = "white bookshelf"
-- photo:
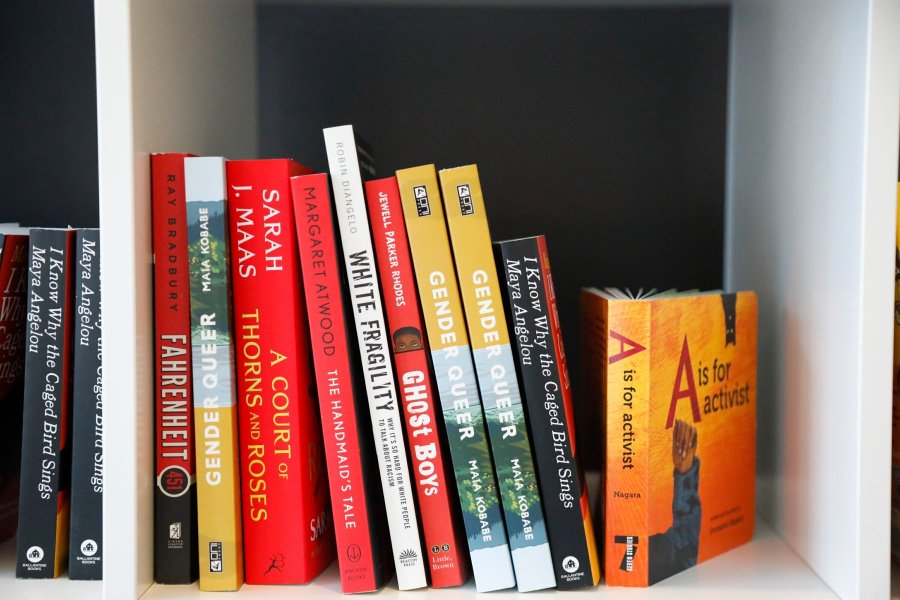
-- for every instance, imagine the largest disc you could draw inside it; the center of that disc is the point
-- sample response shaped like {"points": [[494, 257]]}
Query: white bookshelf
{"points": [[814, 102]]}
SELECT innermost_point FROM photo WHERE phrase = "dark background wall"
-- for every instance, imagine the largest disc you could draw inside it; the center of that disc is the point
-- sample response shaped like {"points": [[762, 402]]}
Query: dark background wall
{"points": [[48, 113]]}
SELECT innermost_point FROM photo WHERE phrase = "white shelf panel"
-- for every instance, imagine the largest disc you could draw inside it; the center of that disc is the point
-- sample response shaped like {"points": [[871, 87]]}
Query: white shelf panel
{"points": [[764, 569], [40, 589]]}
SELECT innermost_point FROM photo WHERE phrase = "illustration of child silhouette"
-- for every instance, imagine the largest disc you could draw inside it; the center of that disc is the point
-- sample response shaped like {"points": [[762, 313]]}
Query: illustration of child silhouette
{"points": [[675, 549]]}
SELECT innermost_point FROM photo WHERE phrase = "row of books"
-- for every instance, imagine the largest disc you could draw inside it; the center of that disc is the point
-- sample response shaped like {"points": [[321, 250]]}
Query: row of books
{"points": [[328, 354], [51, 400], [332, 305]]}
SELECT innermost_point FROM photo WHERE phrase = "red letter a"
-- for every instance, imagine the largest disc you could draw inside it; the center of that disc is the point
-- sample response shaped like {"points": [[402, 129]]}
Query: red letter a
{"points": [[626, 347], [684, 368]]}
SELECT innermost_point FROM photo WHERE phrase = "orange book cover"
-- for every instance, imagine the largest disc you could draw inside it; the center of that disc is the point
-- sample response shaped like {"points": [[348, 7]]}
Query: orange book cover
{"points": [[678, 391]]}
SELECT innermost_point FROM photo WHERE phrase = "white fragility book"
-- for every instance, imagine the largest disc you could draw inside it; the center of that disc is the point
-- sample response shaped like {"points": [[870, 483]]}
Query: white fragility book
{"points": [[374, 350]]}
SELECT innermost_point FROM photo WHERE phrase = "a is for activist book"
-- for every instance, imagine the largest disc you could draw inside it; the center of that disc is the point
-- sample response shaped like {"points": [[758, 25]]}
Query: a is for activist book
{"points": [[678, 387], [284, 487], [495, 365], [214, 388], [524, 266], [438, 505], [86, 523], [175, 554], [358, 514], [454, 371], [13, 304], [42, 541], [374, 351]]}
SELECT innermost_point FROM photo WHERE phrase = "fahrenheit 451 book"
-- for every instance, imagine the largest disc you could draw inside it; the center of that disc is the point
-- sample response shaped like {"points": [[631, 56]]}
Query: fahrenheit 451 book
{"points": [[678, 387]]}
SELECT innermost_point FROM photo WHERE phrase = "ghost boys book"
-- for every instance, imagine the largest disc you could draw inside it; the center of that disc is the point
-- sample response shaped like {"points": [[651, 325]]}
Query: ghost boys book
{"points": [[454, 373], [212, 354], [678, 387]]}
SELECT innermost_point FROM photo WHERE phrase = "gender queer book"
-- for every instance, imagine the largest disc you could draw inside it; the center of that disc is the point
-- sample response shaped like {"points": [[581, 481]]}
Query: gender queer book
{"points": [[86, 524], [175, 554], [374, 350], [451, 357], [42, 540], [437, 497], [360, 528], [284, 487], [530, 301], [214, 390], [495, 365], [678, 388], [13, 304]]}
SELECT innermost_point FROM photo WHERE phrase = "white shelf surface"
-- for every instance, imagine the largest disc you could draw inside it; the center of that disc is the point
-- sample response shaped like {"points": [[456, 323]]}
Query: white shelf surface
{"points": [[40, 589], [764, 569]]}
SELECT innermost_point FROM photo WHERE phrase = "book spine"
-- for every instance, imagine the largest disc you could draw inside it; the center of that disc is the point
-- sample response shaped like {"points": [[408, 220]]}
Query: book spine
{"points": [[86, 525], [212, 353], [384, 411], [494, 363], [344, 417], [454, 371], [175, 553], [13, 307], [284, 494], [622, 328], [439, 515], [42, 544], [543, 397], [565, 384]]}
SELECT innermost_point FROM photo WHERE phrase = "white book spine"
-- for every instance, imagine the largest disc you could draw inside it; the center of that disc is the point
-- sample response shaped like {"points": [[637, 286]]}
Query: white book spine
{"points": [[374, 350]]}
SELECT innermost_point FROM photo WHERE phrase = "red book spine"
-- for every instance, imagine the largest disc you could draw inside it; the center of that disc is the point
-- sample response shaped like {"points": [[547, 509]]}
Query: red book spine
{"points": [[283, 489], [353, 522], [175, 502], [440, 517]]}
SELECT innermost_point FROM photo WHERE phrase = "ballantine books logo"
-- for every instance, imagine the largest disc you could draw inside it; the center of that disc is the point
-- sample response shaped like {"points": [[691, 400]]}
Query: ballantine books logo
{"points": [[422, 205], [631, 542], [465, 199]]}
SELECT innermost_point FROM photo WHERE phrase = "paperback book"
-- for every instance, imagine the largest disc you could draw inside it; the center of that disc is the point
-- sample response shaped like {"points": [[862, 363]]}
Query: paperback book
{"points": [[360, 528], [454, 372], [678, 386], [448, 563], [283, 480], [374, 350], [530, 301], [495, 365], [42, 540], [175, 552], [214, 391], [86, 526]]}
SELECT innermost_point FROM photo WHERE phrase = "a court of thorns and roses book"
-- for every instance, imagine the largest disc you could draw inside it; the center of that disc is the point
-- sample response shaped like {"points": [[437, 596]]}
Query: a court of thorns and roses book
{"points": [[677, 377]]}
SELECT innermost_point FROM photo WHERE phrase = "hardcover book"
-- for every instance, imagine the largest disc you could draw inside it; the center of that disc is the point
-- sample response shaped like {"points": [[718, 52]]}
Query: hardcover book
{"points": [[530, 301], [678, 388], [454, 372], [13, 304], [374, 350], [438, 507], [175, 553], [212, 354], [86, 524], [283, 479], [497, 380], [42, 540], [357, 505]]}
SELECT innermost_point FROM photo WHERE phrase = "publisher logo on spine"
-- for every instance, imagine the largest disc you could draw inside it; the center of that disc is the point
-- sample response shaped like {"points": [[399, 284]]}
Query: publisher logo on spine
{"points": [[215, 557], [570, 564], [175, 530], [88, 548], [465, 199], [35, 554], [422, 205], [409, 558], [631, 542]]}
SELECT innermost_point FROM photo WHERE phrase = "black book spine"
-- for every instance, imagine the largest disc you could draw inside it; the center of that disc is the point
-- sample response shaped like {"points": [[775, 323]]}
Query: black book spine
{"points": [[538, 366], [42, 538], [86, 531]]}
